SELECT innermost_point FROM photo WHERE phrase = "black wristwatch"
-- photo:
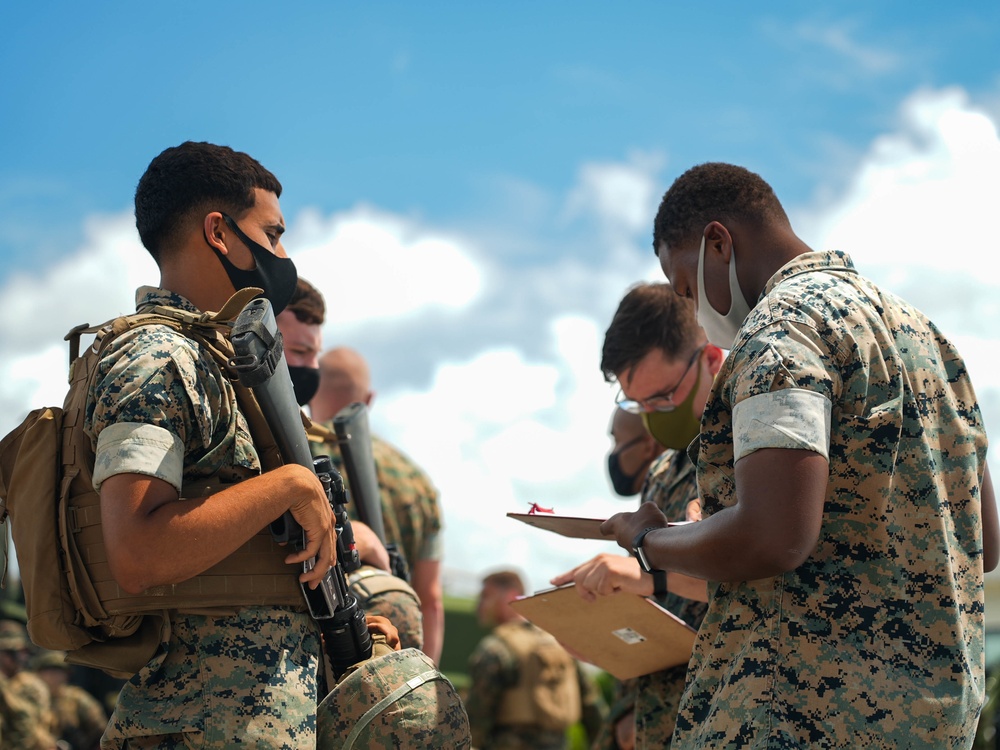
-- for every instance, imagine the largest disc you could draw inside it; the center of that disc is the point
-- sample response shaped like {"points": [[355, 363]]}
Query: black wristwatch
{"points": [[659, 576]]}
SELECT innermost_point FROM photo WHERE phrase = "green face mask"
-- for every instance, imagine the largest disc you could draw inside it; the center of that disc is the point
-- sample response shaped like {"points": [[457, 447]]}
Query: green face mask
{"points": [[675, 429]]}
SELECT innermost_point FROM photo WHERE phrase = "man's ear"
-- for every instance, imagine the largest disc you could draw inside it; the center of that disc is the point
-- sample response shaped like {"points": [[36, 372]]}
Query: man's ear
{"points": [[715, 358], [215, 231], [369, 398], [718, 239]]}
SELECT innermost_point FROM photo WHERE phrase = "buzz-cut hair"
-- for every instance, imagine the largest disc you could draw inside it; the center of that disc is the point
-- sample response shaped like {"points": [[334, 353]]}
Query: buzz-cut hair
{"points": [[714, 192], [650, 316], [195, 175], [506, 580]]}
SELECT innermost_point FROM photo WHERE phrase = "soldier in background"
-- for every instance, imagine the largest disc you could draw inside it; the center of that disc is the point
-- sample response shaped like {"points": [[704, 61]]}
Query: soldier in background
{"points": [[25, 707], [525, 689], [634, 451], [378, 591], [652, 324], [78, 717], [411, 510]]}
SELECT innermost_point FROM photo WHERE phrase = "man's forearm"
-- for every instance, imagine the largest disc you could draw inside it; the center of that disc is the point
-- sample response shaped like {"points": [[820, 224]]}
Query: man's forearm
{"points": [[155, 538], [427, 584]]}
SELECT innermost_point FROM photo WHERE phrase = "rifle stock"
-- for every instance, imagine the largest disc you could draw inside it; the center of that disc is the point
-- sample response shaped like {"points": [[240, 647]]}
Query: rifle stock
{"points": [[355, 442]]}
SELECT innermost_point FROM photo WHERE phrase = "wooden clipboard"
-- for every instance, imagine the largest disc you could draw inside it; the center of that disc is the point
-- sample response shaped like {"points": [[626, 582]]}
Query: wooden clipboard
{"points": [[571, 526], [624, 634]]}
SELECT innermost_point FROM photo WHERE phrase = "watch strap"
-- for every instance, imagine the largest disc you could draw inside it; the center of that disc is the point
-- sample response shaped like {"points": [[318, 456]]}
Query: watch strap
{"points": [[659, 582]]}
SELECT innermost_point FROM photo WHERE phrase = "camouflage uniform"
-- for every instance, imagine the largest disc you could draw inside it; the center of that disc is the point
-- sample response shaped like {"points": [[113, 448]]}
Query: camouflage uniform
{"points": [[671, 485], [410, 509], [875, 641], [21, 724], [381, 593], [229, 677], [79, 718], [655, 697], [495, 669]]}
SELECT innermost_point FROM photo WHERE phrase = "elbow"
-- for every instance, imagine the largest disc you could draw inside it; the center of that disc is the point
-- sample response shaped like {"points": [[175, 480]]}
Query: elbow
{"points": [[131, 572]]}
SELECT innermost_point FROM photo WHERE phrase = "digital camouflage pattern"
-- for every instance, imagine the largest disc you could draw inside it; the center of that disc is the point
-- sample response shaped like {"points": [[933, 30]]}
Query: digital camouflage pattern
{"points": [[672, 485], [495, 669], [393, 701], [876, 641], [654, 698], [22, 725], [380, 593], [411, 511], [247, 678], [219, 679], [79, 717]]}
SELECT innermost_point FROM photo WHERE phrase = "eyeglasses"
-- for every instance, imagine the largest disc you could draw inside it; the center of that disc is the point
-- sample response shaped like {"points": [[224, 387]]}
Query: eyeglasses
{"points": [[661, 401]]}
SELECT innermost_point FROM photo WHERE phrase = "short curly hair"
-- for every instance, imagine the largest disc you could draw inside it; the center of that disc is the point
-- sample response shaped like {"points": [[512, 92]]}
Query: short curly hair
{"points": [[650, 316], [714, 192], [195, 175]]}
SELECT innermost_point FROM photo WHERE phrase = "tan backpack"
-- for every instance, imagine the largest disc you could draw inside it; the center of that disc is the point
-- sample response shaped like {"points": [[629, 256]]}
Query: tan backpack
{"points": [[547, 694], [46, 492]]}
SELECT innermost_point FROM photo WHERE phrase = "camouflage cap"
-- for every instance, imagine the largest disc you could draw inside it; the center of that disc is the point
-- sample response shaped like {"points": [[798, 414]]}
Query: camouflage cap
{"points": [[13, 635], [395, 700]]}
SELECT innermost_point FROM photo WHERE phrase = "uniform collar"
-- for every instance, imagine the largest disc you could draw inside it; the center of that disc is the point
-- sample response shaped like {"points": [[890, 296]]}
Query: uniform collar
{"points": [[148, 297], [829, 260]]}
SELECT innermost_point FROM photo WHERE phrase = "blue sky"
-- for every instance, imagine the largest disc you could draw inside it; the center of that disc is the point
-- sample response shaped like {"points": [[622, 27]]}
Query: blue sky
{"points": [[473, 189]]}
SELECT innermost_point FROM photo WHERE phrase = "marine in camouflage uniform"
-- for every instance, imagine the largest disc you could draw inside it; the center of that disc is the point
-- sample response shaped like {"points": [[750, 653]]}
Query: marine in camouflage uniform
{"points": [[411, 513], [672, 487], [411, 516], [247, 675], [494, 669], [654, 698], [877, 639], [22, 727], [78, 717]]}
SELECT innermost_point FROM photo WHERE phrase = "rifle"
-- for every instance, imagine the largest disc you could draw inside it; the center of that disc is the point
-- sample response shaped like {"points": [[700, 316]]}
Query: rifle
{"points": [[355, 442], [260, 363]]}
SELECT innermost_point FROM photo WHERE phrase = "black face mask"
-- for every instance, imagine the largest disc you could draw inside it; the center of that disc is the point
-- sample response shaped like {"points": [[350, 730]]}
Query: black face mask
{"points": [[624, 484], [305, 383], [276, 276]]}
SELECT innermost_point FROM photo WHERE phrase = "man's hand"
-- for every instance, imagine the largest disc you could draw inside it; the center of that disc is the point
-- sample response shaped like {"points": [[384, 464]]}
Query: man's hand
{"points": [[378, 625], [625, 526], [370, 548], [311, 508], [607, 574], [625, 731]]}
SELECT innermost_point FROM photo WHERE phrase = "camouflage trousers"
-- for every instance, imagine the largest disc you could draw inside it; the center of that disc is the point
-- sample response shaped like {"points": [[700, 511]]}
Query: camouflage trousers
{"points": [[248, 679]]}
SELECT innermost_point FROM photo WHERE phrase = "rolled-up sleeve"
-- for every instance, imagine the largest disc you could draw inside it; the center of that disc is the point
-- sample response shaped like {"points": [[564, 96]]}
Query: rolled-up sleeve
{"points": [[137, 448], [791, 418]]}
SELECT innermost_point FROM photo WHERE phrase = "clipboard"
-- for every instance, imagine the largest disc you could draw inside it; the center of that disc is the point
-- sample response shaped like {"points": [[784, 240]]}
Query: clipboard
{"points": [[624, 634], [574, 527], [571, 526]]}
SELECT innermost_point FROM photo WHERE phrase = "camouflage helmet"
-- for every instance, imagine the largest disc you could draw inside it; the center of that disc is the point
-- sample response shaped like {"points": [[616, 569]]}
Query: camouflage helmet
{"points": [[395, 700]]}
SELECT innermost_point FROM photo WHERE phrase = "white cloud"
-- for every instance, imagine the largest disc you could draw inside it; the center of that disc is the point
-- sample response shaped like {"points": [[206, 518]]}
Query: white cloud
{"points": [[841, 39], [622, 196], [373, 266]]}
